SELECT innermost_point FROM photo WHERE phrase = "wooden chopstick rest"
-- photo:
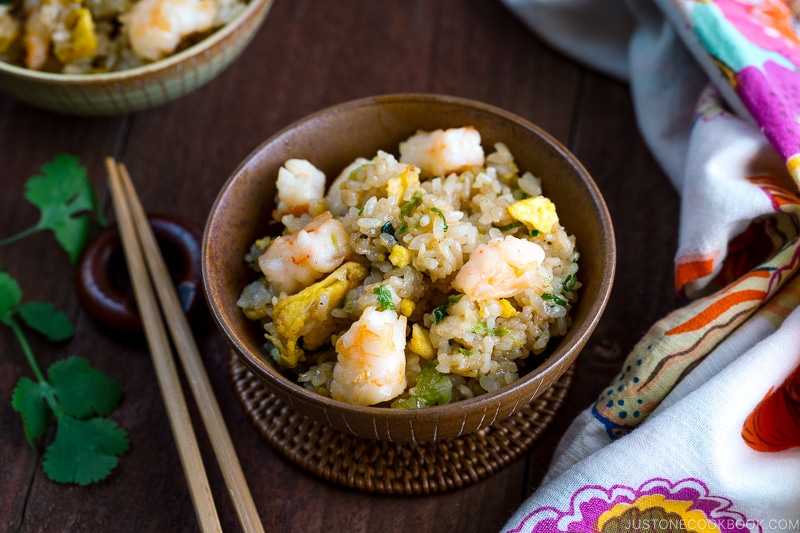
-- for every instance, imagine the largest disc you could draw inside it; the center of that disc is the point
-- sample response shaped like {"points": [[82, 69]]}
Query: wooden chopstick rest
{"points": [[103, 281]]}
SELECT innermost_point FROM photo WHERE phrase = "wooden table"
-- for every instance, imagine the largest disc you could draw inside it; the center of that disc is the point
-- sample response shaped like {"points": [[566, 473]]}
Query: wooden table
{"points": [[309, 55]]}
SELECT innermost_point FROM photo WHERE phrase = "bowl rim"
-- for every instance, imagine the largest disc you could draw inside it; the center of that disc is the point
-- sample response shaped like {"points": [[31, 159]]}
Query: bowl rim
{"points": [[168, 62], [565, 355]]}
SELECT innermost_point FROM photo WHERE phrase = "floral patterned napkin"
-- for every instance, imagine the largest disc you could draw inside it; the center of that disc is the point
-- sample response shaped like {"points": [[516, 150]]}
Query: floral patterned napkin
{"points": [[700, 431]]}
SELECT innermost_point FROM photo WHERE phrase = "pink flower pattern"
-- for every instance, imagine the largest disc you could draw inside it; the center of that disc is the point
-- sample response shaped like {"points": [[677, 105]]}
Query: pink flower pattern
{"points": [[657, 505], [753, 42]]}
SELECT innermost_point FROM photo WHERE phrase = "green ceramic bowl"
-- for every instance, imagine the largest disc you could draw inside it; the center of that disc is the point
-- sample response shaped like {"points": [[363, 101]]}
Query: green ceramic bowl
{"points": [[142, 87], [332, 139]]}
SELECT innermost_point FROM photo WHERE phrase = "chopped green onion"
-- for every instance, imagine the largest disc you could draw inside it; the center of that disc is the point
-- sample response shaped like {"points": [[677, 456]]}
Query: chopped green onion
{"points": [[388, 228], [440, 312], [555, 299], [480, 328], [384, 297], [570, 282], [465, 351], [534, 232], [354, 173], [412, 204], [403, 229], [507, 227], [441, 215]]}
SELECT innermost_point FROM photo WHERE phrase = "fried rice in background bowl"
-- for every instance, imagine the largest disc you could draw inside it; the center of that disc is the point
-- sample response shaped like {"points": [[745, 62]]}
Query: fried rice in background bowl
{"points": [[116, 79], [332, 139]]}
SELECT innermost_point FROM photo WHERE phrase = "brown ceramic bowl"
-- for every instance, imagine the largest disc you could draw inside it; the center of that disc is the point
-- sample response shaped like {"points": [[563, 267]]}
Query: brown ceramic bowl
{"points": [[144, 87], [332, 139]]}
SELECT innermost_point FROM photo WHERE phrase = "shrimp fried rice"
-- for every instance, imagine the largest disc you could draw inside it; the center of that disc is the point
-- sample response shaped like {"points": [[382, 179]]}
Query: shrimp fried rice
{"points": [[414, 280], [100, 36]]}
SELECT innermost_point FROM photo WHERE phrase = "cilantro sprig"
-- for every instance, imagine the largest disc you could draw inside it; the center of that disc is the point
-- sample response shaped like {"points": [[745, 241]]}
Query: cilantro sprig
{"points": [[86, 446], [65, 198]]}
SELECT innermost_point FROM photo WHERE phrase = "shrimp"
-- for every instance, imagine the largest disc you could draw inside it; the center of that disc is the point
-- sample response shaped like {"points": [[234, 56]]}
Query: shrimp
{"points": [[155, 28], [300, 184], [295, 261], [441, 152], [36, 35], [500, 268], [372, 360]]}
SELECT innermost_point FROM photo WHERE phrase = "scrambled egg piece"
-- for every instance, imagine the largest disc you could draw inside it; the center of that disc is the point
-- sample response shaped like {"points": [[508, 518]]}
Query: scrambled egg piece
{"points": [[537, 213], [398, 186], [400, 256], [407, 307], [299, 315], [507, 310], [82, 39], [420, 342]]}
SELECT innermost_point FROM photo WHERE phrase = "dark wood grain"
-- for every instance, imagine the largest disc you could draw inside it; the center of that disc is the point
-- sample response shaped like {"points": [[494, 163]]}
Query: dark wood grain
{"points": [[309, 55]]}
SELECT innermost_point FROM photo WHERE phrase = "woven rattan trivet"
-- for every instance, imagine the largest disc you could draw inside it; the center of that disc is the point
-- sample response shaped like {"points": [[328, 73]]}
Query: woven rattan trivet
{"points": [[392, 468]]}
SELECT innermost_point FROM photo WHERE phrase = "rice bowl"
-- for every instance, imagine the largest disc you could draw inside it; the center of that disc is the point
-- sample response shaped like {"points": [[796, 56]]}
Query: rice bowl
{"points": [[333, 138]]}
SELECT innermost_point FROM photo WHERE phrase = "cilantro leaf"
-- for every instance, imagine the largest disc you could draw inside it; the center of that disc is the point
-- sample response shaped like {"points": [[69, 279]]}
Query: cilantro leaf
{"points": [[64, 195], [28, 401], [47, 320], [10, 296], [81, 389], [84, 451]]}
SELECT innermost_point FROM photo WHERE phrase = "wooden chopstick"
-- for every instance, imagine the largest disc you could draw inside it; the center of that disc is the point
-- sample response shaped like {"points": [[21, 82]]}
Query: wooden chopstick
{"points": [[163, 360], [190, 358]]}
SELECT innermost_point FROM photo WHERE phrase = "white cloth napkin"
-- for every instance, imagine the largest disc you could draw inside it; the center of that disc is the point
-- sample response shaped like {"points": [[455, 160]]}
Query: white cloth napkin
{"points": [[701, 429]]}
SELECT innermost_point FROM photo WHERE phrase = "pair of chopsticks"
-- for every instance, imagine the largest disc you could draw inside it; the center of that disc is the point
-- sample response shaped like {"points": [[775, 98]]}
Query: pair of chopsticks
{"points": [[145, 263]]}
